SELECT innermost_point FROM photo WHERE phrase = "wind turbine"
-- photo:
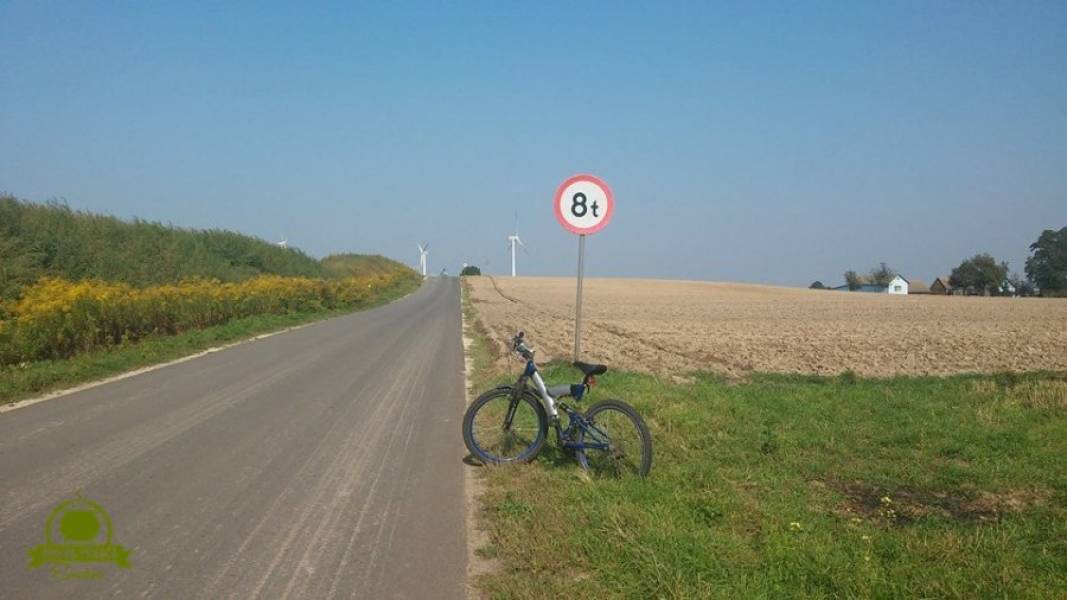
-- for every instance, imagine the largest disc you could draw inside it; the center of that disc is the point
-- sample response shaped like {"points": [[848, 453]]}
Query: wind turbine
{"points": [[424, 251], [514, 239]]}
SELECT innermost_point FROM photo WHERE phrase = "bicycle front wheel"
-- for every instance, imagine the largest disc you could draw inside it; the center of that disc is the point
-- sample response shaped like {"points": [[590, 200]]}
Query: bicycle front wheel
{"points": [[627, 444], [505, 425]]}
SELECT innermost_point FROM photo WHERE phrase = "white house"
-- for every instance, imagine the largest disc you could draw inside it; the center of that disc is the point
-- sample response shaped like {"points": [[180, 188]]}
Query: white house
{"points": [[899, 285]]}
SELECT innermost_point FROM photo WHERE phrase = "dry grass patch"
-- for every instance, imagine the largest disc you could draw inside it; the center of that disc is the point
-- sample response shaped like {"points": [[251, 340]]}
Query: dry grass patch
{"points": [[1041, 394]]}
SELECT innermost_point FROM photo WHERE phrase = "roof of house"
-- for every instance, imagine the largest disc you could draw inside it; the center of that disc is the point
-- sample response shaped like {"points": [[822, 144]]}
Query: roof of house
{"points": [[871, 287], [917, 286]]}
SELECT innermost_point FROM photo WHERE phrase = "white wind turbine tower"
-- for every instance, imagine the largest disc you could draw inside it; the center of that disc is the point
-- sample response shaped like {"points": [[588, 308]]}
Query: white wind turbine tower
{"points": [[514, 239], [423, 253]]}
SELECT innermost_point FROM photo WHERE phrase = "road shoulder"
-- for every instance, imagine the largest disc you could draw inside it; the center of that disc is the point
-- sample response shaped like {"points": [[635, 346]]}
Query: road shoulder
{"points": [[474, 483]]}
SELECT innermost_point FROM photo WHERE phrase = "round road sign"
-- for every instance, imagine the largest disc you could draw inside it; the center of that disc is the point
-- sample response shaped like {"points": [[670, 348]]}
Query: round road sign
{"points": [[584, 204]]}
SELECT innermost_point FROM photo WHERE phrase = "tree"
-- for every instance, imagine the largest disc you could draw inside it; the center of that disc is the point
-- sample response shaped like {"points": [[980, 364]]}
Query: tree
{"points": [[980, 274], [470, 270], [1047, 267], [882, 275], [854, 280]]}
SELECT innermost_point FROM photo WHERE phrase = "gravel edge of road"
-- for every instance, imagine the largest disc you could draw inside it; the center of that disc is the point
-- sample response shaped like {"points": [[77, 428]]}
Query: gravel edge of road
{"points": [[474, 486]]}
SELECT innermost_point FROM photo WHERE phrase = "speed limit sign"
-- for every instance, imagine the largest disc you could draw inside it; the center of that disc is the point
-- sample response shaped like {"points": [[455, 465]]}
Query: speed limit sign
{"points": [[584, 204]]}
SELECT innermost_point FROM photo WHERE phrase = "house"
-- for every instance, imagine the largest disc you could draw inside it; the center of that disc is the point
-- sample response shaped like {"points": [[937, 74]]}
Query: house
{"points": [[940, 286], [898, 286]]}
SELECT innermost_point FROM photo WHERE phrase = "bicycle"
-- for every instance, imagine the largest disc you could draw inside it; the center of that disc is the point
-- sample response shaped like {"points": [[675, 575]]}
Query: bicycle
{"points": [[509, 424]]}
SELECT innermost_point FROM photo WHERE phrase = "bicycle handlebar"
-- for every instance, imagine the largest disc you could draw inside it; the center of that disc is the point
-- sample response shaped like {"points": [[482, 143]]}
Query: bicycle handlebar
{"points": [[518, 344]]}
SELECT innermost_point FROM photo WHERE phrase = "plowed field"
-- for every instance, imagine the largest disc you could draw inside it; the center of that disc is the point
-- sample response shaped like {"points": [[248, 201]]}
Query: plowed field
{"points": [[678, 326]]}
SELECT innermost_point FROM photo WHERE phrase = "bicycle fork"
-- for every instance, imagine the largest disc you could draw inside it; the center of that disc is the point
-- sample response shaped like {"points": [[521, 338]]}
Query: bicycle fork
{"points": [[512, 406]]}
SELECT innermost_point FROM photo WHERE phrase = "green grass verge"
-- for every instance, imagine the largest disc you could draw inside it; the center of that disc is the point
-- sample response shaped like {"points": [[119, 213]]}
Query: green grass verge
{"points": [[481, 353], [17, 383], [799, 487]]}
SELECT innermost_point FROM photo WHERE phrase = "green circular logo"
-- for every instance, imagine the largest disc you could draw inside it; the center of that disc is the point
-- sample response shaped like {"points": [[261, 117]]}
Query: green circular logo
{"points": [[78, 520], [79, 525], [78, 531]]}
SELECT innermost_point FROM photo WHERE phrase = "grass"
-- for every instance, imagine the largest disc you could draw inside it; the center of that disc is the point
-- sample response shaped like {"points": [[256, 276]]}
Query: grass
{"points": [[798, 487], [19, 382], [481, 353], [359, 265]]}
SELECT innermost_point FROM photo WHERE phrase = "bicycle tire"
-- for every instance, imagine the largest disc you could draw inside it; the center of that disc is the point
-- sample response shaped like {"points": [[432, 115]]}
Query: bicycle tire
{"points": [[485, 455], [643, 464]]}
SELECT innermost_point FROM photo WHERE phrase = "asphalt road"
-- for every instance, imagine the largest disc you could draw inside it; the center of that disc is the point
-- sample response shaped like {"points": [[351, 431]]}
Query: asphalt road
{"points": [[322, 462]]}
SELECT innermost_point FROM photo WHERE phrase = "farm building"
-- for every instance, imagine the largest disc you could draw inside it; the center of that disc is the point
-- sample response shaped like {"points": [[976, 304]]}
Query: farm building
{"points": [[898, 286], [940, 286], [867, 287]]}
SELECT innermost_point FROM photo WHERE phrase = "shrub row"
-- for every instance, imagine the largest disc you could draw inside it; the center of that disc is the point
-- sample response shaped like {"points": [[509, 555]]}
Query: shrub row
{"points": [[55, 318], [52, 240]]}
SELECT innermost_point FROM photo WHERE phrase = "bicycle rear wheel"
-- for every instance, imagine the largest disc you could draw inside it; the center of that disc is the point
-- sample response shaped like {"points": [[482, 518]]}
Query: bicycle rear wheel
{"points": [[504, 426], [628, 443]]}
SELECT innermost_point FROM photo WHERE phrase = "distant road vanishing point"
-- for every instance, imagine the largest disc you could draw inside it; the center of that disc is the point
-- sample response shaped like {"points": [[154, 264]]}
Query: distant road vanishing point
{"points": [[322, 462]]}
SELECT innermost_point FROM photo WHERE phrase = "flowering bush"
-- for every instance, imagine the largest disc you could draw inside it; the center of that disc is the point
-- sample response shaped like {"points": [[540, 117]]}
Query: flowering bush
{"points": [[55, 318]]}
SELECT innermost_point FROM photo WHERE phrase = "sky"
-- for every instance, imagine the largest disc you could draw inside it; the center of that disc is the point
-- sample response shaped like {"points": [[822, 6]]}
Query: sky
{"points": [[756, 142]]}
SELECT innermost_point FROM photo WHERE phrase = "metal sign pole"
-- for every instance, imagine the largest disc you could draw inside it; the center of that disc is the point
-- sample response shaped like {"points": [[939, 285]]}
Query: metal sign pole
{"points": [[578, 304]]}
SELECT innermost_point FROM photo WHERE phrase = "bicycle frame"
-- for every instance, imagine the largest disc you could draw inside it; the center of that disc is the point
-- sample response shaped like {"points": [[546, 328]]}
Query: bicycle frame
{"points": [[576, 422]]}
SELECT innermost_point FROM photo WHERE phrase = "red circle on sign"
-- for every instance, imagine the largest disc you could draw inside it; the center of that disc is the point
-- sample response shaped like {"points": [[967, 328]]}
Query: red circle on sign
{"points": [[593, 179]]}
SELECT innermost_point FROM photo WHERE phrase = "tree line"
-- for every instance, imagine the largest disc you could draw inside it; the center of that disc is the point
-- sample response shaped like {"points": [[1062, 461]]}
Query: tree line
{"points": [[880, 276], [1045, 269]]}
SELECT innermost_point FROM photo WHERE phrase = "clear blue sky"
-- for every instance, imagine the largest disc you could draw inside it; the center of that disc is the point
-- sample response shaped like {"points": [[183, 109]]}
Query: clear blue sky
{"points": [[774, 142]]}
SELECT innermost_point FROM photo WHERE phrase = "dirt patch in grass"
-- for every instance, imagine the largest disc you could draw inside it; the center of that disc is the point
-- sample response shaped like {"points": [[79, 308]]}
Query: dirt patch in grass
{"points": [[906, 505]]}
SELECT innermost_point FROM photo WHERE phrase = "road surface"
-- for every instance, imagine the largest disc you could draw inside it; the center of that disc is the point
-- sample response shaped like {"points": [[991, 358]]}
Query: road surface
{"points": [[322, 462]]}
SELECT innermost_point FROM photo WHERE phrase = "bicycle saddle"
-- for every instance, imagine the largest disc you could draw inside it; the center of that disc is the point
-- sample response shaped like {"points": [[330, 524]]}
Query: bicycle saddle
{"points": [[590, 369]]}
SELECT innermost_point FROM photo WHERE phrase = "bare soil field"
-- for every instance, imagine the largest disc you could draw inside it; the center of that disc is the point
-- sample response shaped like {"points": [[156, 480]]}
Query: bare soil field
{"points": [[677, 326]]}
